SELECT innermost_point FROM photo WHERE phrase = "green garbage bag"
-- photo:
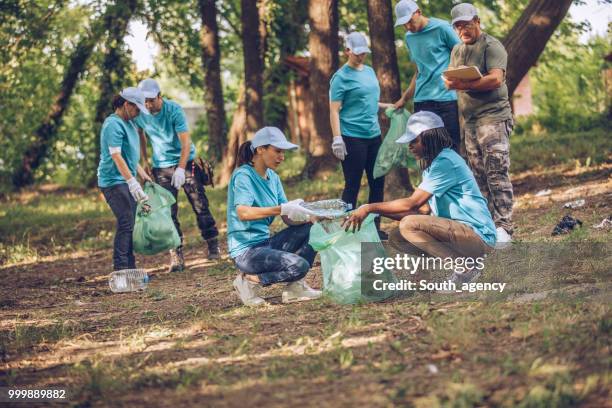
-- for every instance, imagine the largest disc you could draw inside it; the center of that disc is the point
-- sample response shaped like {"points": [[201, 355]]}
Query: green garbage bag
{"points": [[154, 230], [391, 154], [341, 255]]}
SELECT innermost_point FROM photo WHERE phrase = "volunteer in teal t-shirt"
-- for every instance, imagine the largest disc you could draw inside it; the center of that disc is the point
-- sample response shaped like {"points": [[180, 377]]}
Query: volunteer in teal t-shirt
{"points": [[354, 96], [446, 216], [117, 169], [429, 41], [174, 166], [255, 196]]}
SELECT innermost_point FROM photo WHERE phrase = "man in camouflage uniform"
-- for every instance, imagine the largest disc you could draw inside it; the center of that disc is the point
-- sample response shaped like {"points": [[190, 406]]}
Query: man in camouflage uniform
{"points": [[486, 114]]}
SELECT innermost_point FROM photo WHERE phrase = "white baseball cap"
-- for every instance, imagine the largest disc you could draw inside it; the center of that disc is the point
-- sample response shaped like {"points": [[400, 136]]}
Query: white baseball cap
{"points": [[463, 12], [271, 135], [404, 11], [135, 95], [419, 123], [149, 87], [357, 43]]}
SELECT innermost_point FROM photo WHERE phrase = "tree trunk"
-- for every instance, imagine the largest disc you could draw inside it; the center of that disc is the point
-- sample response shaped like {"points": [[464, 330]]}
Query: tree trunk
{"points": [[384, 59], [236, 136], [529, 35], [253, 65], [213, 90], [45, 133], [323, 46], [115, 68]]}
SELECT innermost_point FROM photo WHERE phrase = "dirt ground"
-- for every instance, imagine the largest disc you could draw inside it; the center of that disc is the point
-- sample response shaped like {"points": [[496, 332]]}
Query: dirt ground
{"points": [[186, 340]]}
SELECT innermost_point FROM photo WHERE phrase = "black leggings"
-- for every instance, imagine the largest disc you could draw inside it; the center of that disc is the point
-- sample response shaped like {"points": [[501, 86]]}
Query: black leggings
{"points": [[361, 155]]}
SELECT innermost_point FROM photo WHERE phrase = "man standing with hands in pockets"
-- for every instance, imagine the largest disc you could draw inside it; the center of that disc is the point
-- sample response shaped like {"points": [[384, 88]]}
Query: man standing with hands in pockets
{"points": [[173, 167]]}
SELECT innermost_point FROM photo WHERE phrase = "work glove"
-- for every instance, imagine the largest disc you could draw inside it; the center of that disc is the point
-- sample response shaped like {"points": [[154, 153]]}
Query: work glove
{"points": [[295, 212], [136, 190], [178, 178], [339, 148]]}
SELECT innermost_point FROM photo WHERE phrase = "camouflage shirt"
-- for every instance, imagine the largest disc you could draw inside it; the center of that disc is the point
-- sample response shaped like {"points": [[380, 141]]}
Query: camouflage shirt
{"points": [[483, 107]]}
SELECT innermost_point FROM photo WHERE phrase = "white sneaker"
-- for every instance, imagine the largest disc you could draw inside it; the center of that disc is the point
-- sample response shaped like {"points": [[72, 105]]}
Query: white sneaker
{"points": [[503, 238], [246, 292], [298, 291]]}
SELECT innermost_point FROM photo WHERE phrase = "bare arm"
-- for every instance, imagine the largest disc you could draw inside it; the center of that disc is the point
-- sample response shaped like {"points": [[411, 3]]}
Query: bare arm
{"points": [[185, 140], [409, 94], [334, 117], [144, 158], [122, 166], [493, 80], [247, 213]]}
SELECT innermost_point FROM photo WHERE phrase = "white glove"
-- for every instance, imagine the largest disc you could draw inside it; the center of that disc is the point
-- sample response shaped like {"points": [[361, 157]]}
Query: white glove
{"points": [[295, 212], [178, 178], [136, 190], [339, 148]]}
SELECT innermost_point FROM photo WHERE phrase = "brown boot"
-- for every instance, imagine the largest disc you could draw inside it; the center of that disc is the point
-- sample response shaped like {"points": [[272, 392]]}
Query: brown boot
{"points": [[177, 261]]}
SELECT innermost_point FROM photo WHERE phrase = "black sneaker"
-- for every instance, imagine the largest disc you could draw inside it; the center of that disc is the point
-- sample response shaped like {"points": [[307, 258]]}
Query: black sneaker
{"points": [[177, 261], [383, 235], [213, 249]]}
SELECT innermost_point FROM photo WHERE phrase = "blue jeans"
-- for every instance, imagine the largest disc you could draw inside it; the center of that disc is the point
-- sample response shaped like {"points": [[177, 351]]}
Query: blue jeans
{"points": [[448, 111], [123, 207], [286, 257]]}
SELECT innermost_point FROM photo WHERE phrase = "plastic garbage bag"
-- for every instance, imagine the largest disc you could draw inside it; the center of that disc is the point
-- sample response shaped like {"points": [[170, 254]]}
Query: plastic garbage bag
{"points": [[391, 154], [341, 255], [154, 230]]}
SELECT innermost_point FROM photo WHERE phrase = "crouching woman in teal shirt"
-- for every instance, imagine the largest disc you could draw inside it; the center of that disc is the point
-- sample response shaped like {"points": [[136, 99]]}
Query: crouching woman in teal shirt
{"points": [[446, 216], [255, 196], [119, 156]]}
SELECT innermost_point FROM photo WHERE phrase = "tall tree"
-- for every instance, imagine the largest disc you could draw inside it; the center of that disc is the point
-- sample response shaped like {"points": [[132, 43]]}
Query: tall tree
{"points": [[323, 46], [384, 59], [529, 35], [46, 131], [115, 67], [253, 64], [236, 136], [213, 88]]}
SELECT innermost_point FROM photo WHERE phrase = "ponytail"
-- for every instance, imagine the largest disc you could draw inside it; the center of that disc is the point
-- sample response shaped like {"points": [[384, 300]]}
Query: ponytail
{"points": [[245, 154]]}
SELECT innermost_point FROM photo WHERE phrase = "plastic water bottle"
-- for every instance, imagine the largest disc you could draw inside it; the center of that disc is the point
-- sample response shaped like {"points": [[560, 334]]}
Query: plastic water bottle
{"points": [[328, 208], [128, 280]]}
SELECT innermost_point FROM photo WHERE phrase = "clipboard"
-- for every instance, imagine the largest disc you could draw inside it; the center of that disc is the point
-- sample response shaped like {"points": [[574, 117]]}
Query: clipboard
{"points": [[463, 73]]}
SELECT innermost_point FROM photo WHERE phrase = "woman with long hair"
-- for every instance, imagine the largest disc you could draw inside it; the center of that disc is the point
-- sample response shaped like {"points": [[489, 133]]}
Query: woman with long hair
{"points": [[353, 94], [255, 196], [119, 156], [446, 216]]}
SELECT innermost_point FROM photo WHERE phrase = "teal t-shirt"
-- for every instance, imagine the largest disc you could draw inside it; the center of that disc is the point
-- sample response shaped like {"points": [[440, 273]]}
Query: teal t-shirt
{"points": [[162, 129], [117, 132], [430, 49], [248, 188], [359, 92], [456, 196]]}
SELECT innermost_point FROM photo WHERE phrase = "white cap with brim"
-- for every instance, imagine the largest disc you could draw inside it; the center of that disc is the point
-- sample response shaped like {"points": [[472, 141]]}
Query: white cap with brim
{"points": [[419, 123], [404, 11], [463, 12], [149, 87], [273, 136], [357, 43], [135, 96]]}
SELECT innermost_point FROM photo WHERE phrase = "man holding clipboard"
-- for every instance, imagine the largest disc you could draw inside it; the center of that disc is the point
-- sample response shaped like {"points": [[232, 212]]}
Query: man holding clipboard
{"points": [[429, 41], [477, 71]]}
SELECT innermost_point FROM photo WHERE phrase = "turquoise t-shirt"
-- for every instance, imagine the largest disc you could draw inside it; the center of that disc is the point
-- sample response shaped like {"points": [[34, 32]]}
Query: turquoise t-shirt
{"points": [[162, 129], [430, 49], [248, 188], [359, 92], [456, 196], [117, 132]]}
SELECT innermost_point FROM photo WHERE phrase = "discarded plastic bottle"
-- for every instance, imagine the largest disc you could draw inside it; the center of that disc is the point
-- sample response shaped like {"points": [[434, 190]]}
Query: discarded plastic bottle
{"points": [[328, 208], [128, 280]]}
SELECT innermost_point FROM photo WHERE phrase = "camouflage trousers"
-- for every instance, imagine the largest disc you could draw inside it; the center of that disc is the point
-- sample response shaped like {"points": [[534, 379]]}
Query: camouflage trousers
{"points": [[488, 151]]}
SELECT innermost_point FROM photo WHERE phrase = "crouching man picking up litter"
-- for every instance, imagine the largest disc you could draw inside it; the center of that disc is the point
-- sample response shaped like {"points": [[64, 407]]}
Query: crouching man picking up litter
{"points": [[173, 165], [255, 196], [446, 216]]}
